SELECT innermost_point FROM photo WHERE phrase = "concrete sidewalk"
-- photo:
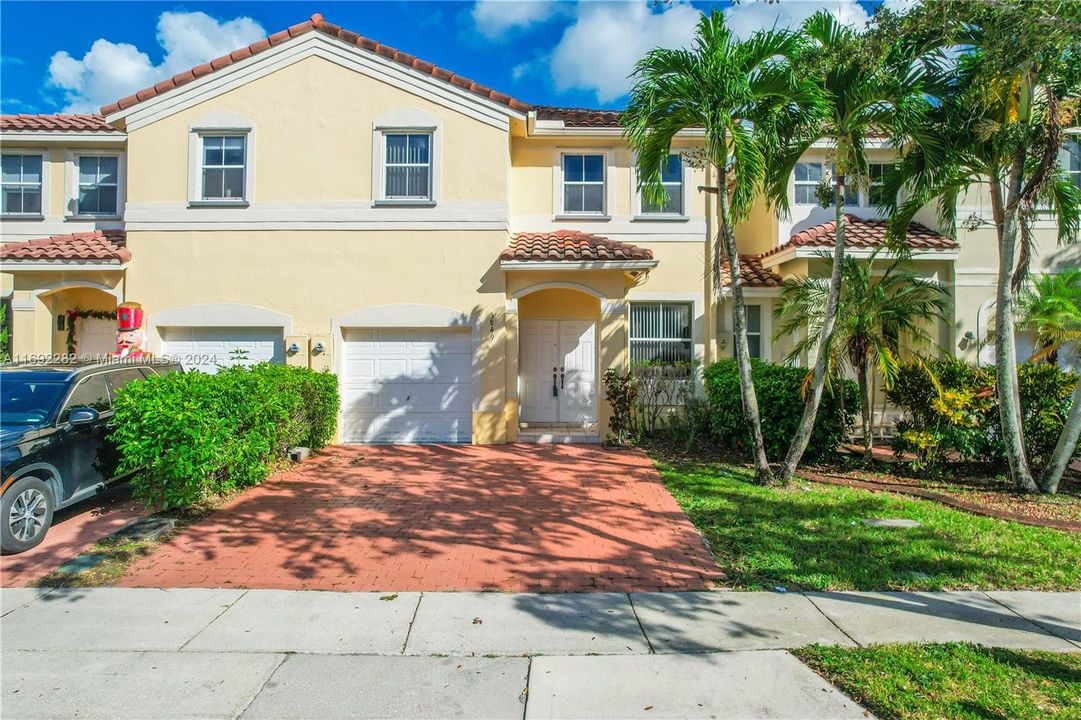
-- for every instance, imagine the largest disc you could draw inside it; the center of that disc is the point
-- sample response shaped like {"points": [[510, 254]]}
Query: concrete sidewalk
{"points": [[279, 654]]}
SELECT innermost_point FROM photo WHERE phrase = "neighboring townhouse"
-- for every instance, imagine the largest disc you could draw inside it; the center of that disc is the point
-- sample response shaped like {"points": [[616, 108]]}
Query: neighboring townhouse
{"points": [[466, 263]]}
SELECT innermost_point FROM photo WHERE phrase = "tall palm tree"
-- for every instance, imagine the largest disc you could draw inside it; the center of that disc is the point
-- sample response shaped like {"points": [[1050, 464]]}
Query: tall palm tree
{"points": [[873, 313], [999, 120], [867, 93], [1052, 310], [741, 93]]}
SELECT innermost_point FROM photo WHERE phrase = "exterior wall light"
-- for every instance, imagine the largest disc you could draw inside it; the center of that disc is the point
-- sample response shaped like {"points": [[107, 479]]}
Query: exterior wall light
{"points": [[318, 348], [294, 348]]}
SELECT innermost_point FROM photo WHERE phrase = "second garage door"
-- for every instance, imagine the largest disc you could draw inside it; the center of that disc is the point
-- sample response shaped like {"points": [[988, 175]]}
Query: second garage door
{"points": [[207, 348], [407, 386]]}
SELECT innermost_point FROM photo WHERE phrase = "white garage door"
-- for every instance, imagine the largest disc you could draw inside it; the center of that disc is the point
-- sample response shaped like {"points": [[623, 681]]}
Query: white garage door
{"points": [[407, 386], [207, 348]]}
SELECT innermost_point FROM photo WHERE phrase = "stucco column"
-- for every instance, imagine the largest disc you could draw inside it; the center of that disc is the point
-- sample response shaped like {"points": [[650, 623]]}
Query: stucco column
{"points": [[31, 324], [510, 354], [611, 353]]}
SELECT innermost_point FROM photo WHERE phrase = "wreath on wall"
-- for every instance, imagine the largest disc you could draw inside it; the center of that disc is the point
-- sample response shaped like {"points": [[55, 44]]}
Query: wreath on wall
{"points": [[76, 314]]}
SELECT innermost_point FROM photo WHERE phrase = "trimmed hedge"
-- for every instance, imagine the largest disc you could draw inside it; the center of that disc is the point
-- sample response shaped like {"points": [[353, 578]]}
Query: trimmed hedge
{"points": [[192, 435], [951, 409], [780, 404]]}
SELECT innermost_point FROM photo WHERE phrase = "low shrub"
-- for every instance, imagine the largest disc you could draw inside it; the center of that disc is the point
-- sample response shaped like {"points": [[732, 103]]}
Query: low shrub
{"points": [[951, 412], [662, 389], [779, 389], [620, 390], [191, 436]]}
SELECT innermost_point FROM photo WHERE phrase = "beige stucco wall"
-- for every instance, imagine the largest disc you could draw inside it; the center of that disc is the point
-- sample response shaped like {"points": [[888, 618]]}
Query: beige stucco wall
{"points": [[312, 140]]}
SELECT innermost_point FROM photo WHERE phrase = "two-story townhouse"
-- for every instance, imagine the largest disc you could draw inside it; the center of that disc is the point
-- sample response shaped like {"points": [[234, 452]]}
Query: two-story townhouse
{"points": [[466, 263]]}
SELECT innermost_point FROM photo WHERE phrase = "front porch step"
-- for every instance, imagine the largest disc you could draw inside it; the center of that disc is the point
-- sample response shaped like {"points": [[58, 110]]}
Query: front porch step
{"points": [[558, 433]]}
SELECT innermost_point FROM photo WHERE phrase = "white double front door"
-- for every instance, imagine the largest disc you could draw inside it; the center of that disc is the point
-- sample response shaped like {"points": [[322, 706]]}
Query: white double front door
{"points": [[558, 369]]}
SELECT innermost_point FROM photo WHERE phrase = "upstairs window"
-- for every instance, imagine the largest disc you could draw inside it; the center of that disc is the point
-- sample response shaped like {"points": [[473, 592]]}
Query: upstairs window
{"points": [[1070, 156], [661, 332], [224, 159], [408, 166], [98, 184], [583, 184], [672, 180], [808, 175], [21, 184], [876, 174]]}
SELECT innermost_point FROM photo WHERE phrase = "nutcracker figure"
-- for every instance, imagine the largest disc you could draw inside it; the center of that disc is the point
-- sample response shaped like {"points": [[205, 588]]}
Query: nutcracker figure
{"points": [[130, 337]]}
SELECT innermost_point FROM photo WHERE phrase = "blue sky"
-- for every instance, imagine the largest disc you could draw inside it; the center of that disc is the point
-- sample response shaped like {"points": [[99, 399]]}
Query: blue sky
{"points": [[76, 56]]}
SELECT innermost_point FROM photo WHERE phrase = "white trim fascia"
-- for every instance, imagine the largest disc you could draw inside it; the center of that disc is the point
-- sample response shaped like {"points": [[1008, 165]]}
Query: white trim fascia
{"points": [[520, 265], [758, 292], [80, 265], [71, 183], [358, 215], [557, 128], [316, 44], [868, 144], [61, 138], [814, 253], [558, 213], [557, 285]]}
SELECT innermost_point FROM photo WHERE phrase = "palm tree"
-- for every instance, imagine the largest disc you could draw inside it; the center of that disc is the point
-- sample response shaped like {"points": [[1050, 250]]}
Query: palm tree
{"points": [[866, 93], [1052, 310], [740, 93], [873, 314], [998, 121]]}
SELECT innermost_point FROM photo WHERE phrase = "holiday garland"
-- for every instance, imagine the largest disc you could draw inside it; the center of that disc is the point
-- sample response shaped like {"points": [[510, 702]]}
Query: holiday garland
{"points": [[76, 314]]}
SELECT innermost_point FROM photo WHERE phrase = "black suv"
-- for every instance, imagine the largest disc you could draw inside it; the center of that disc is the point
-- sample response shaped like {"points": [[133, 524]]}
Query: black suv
{"points": [[53, 447]]}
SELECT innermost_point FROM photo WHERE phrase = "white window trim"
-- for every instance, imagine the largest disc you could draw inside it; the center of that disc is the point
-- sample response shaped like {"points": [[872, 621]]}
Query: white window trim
{"points": [[71, 184], [406, 120], [763, 338], [558, 210], [636, 196], [667, 299], [227, 124], [45, 175]]}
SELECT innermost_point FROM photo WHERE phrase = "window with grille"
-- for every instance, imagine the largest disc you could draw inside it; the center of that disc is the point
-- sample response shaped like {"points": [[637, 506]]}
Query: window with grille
{"points": [[98, 183], [1070, 156], [661, 332], [223, 167], [672, 180], [807, 176], [408, 166], [583, 184], [21, 185], [876, 174]]}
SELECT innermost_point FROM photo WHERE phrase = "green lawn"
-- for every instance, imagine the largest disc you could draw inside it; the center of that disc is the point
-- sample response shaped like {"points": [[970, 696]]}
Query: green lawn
{"points": [[953, 680], [810, 537]]}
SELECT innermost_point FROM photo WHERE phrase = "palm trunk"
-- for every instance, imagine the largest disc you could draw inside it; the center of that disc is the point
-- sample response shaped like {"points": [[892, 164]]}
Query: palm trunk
{"points": [[1064, 449], [1009, 397], [818, 380], [762, 473], [865, 407]]}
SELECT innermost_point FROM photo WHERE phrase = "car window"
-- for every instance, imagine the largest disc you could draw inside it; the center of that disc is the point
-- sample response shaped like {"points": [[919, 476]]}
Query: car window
{"points": [[91, 393], [119, 378], [26, 402]]}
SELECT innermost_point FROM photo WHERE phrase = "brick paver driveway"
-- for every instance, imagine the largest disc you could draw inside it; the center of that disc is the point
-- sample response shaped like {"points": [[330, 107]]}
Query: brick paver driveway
{"points": [[385, 518]]}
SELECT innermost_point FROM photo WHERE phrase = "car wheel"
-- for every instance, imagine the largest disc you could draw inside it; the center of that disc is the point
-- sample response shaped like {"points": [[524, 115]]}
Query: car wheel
{"points": [[26, 513]]}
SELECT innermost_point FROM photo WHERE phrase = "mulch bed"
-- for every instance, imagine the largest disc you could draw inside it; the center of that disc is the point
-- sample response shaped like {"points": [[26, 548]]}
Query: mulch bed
{"points": [[996, 504]]}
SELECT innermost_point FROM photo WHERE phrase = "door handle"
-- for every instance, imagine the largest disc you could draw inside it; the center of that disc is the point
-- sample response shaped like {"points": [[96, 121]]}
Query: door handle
{"points": [[555, 388], [561, 376]]}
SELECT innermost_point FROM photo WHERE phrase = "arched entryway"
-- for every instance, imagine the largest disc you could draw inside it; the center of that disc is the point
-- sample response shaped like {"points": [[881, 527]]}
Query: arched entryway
{"points": [[83, 318]]}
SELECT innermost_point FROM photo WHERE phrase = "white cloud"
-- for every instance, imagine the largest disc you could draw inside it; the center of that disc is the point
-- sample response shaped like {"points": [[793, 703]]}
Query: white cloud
{"points": [[598, 51], [495, 17], [747, 17], [109, 71]]}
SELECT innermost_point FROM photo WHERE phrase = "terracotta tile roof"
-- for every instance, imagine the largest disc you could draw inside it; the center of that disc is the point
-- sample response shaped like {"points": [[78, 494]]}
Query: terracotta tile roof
{"points": [[867, 234], [102, 245], [579, 117], [63, 123], [315, 23], [571, 246], [752, 274]]}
